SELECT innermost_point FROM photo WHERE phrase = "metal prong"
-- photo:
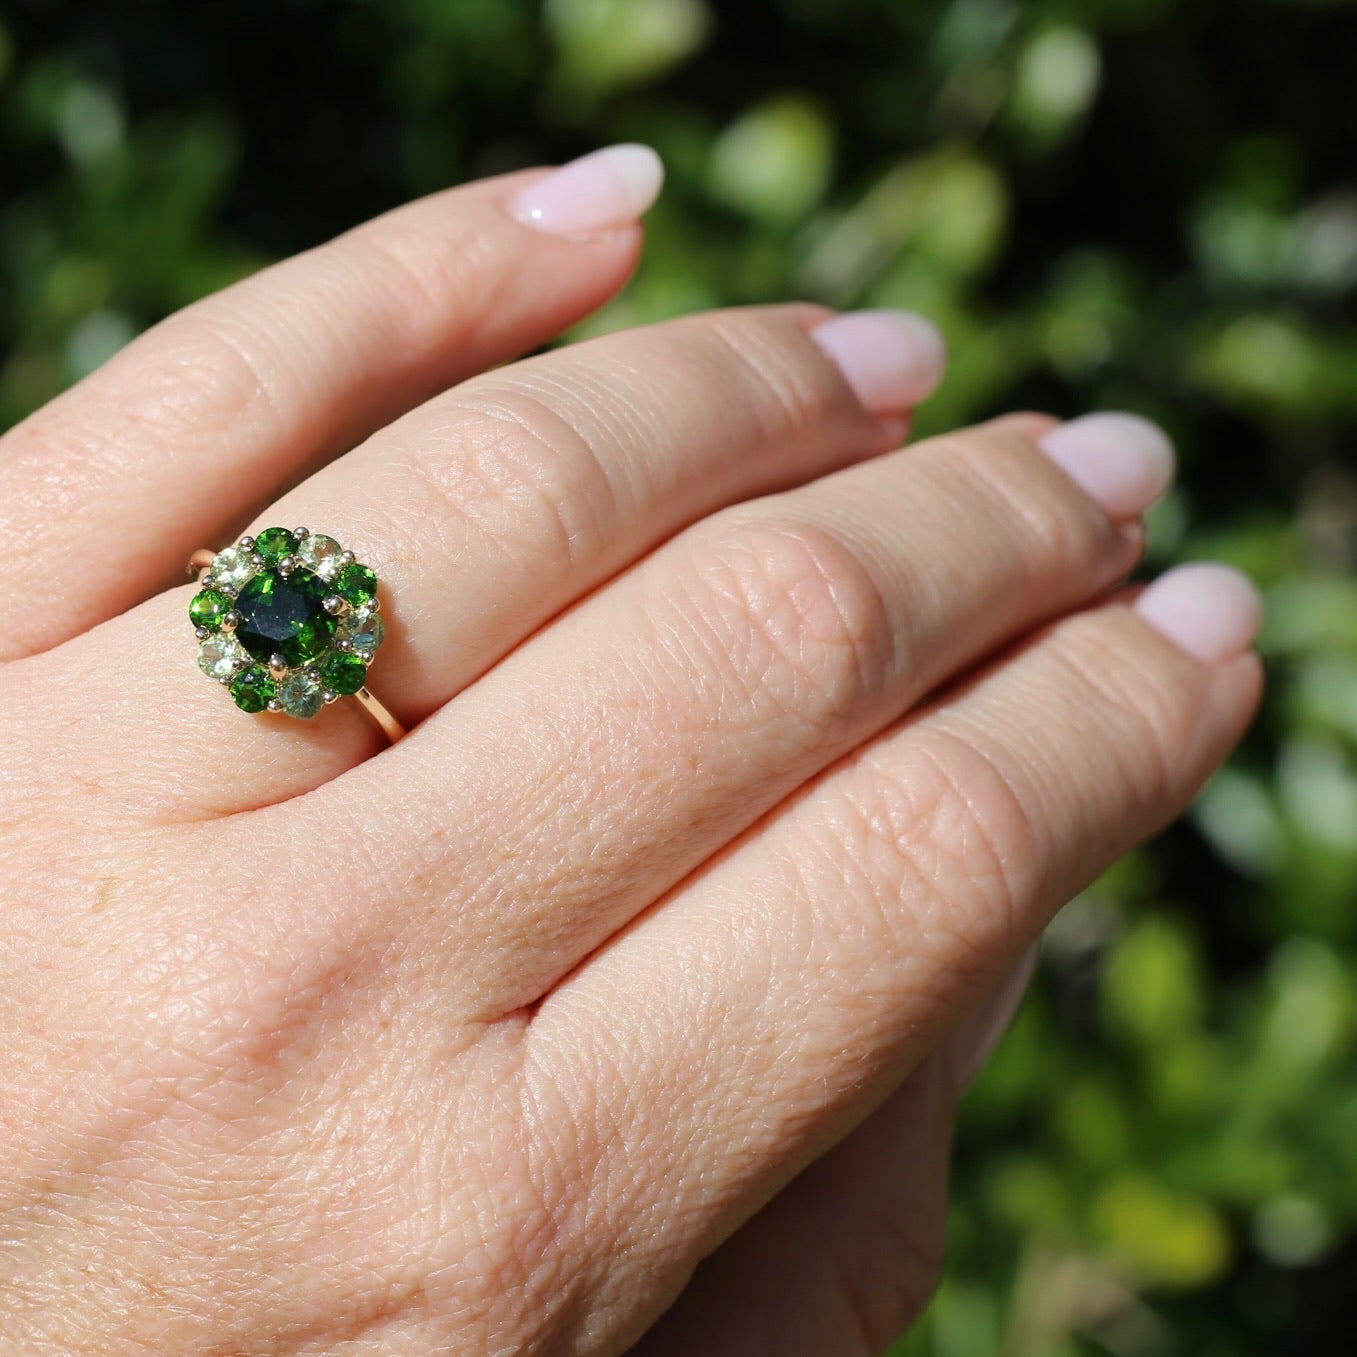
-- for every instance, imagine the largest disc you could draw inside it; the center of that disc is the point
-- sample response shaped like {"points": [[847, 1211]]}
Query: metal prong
{"points": [[277, 666], [246, 544], [207, 582], [201, 633], [330, 696], [334, 605], [257, 561], [347, 558], [288, 564], [299, 533], [232, 620], [275, 705]]}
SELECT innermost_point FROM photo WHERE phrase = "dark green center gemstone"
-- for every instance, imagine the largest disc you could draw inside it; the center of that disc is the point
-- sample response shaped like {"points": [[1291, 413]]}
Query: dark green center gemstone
{"points": [[343, 674], [208, 608], [285, 615], [356, 583], [275, 543], [253, 689]]}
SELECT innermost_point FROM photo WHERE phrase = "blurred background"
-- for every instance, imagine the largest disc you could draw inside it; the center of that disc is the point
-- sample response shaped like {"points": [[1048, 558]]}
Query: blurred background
{"points": [[1138, 204]]}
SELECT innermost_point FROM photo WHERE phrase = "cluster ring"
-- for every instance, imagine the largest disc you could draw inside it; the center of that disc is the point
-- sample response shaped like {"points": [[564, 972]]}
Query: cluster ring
{"points": [[289, 621]]}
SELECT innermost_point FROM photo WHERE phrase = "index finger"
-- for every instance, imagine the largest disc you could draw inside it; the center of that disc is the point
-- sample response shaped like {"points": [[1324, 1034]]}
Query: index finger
{"points": [[171, 444]]}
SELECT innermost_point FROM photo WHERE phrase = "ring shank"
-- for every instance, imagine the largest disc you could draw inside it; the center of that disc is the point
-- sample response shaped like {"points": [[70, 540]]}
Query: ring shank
{"points": [[391, 728]]}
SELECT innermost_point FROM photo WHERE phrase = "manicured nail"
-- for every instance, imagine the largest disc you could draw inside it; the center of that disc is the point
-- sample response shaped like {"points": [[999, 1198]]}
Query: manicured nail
{"points": [[1122, 461], [599, 192], [971, 1045], [893, 360], [1210, 611]]}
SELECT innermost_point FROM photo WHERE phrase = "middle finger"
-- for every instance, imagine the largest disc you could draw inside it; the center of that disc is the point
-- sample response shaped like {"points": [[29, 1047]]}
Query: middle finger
{"points": [[617, 751], [491, 508]]}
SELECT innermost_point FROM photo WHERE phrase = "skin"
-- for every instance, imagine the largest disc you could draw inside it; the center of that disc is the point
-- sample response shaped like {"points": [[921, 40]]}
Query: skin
{"points": [[611, 1010]]}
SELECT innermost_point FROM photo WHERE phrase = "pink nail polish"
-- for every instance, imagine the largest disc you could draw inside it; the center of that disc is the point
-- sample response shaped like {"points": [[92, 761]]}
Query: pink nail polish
{"points": [[1210, 611], [599, 192], [1123, 462], [893, 360], [971, 1045]]}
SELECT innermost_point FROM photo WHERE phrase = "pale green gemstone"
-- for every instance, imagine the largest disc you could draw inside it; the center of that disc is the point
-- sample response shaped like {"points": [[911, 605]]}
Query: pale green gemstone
{"points": [[300, 695], [232, 567], [363, 629], [320, 555], [219, 655]]}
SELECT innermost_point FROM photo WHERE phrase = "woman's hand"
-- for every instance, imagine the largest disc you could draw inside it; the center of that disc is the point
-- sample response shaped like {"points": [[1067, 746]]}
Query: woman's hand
{"points": [[748, 757]]}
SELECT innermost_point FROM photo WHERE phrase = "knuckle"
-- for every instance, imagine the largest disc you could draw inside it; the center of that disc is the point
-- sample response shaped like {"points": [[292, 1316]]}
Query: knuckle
{"points": [[794, 617], [227, 1039], [770, 354], [419, 273], [1026, 501], [983, 833], [945, 849], [201, 375], [1144, 726], [520, 476], [191, 381]]}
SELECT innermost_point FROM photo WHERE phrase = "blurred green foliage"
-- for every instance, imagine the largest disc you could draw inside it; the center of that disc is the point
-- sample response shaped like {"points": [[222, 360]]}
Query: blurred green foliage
{"points": [[1141, 204]]}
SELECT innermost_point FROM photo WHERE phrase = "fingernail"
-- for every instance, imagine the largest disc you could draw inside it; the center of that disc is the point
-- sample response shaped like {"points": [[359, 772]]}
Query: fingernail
{"points": [[893, 360], [1122, 461], [1210, 611], [971, 1045], [599, 192]]}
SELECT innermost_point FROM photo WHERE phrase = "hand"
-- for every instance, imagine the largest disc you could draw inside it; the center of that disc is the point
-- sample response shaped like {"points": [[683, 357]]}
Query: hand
{"points": [[666, 934]]}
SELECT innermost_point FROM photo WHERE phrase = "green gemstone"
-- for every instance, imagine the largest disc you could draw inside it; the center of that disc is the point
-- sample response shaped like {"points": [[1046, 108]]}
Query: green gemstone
{"points": [[219, 655], [254, 689], [321, 555], [300, 695], [356, 583], [285, 615], [362, 629], [208, 608], [232, 567], [344, 674], [275, 543]]}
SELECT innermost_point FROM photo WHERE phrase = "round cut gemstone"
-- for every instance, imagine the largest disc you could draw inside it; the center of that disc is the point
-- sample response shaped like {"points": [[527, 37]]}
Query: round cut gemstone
{"points": [[357, 583], [218, 656], [285, 615], [232, 567], [254, 689], [363, 629], [344, 674], [320, 555], [275, 543], [301, 695], [207, 608]]}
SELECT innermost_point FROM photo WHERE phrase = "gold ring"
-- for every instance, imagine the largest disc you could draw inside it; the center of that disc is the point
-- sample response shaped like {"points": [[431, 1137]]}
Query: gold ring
{"points": [[288, 622]]}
